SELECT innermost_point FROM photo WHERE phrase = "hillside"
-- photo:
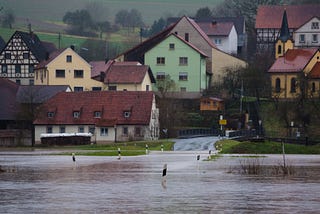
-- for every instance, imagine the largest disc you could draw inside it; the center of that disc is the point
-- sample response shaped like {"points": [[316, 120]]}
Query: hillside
{"points": [[151, 10]]}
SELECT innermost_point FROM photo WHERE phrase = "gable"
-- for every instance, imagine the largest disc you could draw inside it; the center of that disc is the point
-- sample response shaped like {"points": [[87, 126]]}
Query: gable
{"points": [[307, 27]]}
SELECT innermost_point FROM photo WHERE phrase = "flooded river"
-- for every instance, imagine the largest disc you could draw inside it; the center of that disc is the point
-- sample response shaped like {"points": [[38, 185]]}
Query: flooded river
{"points": [[55, 184]]}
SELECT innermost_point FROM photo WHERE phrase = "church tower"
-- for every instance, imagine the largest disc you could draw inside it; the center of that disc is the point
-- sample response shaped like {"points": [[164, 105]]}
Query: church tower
{"points": [[284, 42]]}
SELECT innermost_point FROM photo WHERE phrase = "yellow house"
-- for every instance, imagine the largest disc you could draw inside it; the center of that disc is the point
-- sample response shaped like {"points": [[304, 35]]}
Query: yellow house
{"points": [[66, 67], [123, 76]]}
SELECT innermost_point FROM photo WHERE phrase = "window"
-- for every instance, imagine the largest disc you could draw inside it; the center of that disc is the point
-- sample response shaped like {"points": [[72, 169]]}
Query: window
{"points": [[183, 76], [77, 89], [313, 87], [171, 46], [96, 88], [126, 114], [7, 55], [92, 129], [278, 85], [26, 55], [49, 129], [293, 85], [18, 82], [97, 114], [76, 114], [17, 69], [161, 75], [112, 88], [103, 131], [50, 114], [217, 41], [60, 73], [81, 129], [161, 61], [147, 87], [69, 58], [125, 131], [183, 89], [315, 25], [62, 129], [315, 38], [137, 131], [301, 38], [78, 73], [4, 68], [183, 60], [31, 82], [186, 37], [279, 49]]}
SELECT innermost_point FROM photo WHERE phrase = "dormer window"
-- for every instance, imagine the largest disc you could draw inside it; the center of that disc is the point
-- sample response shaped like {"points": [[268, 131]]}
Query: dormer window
{"points": [[50, 114], [97, 114], [76, 114], [126, 114]]}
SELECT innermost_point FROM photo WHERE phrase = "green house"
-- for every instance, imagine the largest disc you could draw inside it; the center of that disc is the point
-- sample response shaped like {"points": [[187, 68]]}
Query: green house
{"points": [[178, 58]]}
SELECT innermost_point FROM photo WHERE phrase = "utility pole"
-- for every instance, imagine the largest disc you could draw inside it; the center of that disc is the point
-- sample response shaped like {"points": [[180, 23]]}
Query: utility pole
{"points": [[241, 96]]}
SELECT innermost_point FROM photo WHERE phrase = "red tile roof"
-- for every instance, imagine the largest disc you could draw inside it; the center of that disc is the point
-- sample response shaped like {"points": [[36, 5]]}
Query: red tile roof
{"points": [[294, 60], [111, 104], [315, 71], [216, 28], [270, 16], [126, 73], [121, 72]]}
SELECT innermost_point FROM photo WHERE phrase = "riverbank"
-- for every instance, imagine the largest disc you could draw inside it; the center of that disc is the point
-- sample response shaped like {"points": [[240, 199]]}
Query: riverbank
{"points": [[267, 147]]}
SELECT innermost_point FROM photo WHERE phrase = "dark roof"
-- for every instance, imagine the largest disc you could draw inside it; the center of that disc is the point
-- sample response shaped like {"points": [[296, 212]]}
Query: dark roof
{"points": [[38, 93], [137, 53], [111, 104], [35, 45], [270, 16], [8, 104], [284, 31], [2, 43]]}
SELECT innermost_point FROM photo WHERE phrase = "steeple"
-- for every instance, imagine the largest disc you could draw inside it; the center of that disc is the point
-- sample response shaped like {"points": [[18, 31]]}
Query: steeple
{"points": [[284, 31]]}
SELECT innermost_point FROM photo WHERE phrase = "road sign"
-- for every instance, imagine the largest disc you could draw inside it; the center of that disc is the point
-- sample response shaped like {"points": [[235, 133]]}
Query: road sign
{"points": [[223, 122]]}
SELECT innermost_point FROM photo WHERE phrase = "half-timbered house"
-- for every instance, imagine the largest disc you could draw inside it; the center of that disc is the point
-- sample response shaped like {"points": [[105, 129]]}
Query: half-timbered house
{"points": [[21, 55], [268, 22]]}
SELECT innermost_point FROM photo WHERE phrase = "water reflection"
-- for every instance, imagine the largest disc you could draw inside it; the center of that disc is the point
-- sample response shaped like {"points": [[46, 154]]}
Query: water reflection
{"points": [[54, 184]]}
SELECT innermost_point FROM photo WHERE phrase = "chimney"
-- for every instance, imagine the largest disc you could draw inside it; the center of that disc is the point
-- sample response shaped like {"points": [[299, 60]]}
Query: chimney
{"points": [[72, 47]]}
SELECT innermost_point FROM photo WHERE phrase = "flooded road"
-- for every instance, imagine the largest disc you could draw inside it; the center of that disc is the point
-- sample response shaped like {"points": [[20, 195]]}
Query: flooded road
{"points": [[55, 184]]}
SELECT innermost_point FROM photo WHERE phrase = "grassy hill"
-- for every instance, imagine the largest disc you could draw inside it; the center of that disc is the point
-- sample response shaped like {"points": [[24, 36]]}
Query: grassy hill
{"points": [[53, 11]]}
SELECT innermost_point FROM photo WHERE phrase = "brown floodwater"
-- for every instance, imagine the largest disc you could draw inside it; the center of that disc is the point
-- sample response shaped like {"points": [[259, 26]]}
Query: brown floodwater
{"points": [[55, 184]]}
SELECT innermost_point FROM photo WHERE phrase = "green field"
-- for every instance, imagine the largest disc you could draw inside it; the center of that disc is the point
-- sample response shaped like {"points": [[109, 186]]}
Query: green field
{"points": [[47, 10]]}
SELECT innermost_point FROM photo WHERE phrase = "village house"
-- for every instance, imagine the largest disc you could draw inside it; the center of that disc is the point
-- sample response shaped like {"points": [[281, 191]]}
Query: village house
{"points": [[308, 35], [183, 62], [66, 67], [211, 104], [123, 76], [21, 54], [223, 34], [187, 29], [110, 116], [268, 22]]}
